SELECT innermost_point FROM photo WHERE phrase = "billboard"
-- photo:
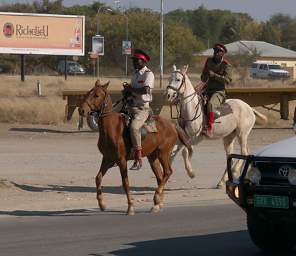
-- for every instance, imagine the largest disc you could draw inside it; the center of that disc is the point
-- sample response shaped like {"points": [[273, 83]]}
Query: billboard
{"points": [[98, 45], [26, 33]]}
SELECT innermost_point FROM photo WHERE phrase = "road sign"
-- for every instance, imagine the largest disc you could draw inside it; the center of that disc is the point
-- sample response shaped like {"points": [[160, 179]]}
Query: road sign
{"points": [[126, 47], [98, 44]]}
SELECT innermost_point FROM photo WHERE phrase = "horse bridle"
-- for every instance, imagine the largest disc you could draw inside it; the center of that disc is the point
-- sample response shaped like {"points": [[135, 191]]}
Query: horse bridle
{"points": [[177, 90], [100, 110]]}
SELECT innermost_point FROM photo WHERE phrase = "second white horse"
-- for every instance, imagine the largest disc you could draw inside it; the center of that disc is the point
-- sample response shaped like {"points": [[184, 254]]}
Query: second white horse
{"points": [[238, 124]]}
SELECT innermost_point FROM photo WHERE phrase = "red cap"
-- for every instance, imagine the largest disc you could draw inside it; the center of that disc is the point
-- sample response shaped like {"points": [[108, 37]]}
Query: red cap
{"points": [[220, 47], [139, 54]]}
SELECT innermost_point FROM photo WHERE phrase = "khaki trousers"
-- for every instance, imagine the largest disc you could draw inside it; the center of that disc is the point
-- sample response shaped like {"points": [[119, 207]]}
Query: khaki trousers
{"points": [[216, 100], [140, 115]]}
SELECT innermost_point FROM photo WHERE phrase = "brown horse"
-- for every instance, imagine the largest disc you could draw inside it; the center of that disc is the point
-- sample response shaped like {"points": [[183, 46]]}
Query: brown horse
{"points": [[115, 145]]}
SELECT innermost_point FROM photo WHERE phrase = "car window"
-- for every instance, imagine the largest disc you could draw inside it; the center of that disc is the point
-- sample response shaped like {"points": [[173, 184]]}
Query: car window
{"points": [[275, 67], [254, 65], [261, 66]]}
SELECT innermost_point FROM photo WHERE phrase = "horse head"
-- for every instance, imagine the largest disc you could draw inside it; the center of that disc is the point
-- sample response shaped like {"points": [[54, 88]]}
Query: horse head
{"points": [[176, 84], [96, 99]]}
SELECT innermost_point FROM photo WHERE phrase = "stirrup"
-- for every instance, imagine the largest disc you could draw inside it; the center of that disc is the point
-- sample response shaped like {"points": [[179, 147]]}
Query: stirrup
{"points": [[137, 165]]}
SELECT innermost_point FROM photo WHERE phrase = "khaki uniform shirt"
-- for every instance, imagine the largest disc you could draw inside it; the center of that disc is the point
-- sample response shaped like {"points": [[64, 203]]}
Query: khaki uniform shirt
{"points": [[142, 78], [222, 76]]}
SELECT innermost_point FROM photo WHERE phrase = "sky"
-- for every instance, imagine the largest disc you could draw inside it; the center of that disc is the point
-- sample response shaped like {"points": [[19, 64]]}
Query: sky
{"points": [[257, 9]]}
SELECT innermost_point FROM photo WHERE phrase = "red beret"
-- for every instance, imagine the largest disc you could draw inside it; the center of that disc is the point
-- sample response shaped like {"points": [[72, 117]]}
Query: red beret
{"points": [[139, 54], [220, 47]]}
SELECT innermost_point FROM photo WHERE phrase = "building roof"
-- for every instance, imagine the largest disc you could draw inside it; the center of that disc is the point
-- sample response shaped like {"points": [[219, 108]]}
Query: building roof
{"points": [[263, 49]]}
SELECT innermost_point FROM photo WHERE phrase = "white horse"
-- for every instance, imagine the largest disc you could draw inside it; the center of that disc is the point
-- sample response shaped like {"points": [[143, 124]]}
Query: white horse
{"points": [[189, 104]]}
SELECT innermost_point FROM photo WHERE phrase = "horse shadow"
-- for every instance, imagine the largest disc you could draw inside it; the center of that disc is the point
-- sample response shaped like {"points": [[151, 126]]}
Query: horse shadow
{"points": [[64, 213], [222, 244], [46, 130], [118, 190]]}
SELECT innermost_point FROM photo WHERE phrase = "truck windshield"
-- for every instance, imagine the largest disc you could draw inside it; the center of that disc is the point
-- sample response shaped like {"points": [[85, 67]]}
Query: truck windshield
{"points": [[275, 67]]}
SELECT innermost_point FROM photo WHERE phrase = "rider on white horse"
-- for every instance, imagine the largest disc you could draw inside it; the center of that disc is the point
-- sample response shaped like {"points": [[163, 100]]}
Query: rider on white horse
{"points": [[236, 124], [216, 73]]}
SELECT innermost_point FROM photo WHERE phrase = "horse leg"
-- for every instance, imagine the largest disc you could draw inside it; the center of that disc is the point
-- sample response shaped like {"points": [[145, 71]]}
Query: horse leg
{"points": [[105, 165], [187, 163], [228, 146], [122, 163], [175, 151], [243, 142], [155, 166], [167, 172]]}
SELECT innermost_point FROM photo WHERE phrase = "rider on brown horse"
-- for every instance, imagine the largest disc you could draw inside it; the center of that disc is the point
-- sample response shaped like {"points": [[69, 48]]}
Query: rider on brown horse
{"points": [[138, 108], [217, 74]]}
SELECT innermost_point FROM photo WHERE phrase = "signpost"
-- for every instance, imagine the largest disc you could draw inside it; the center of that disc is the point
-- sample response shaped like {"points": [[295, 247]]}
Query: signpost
{"points": [[126, 50], [98, 49]]}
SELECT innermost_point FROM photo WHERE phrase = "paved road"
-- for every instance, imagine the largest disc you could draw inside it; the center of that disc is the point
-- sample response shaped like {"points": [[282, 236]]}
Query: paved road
{"points": [[185, 230]]}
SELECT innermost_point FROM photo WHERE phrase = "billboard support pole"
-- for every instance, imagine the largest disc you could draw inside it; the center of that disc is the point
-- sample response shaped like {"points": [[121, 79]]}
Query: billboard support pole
{"points": [[22, 67], [66, 70]]}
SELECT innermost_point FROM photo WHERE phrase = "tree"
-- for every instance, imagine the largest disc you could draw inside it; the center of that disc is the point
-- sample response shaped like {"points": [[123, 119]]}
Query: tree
{"points": [[287, 26], [270, 34], [251, 31]]}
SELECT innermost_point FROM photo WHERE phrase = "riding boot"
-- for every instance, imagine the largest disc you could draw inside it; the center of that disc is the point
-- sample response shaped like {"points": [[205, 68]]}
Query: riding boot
{"points": [[210, 124], [137, 165]]}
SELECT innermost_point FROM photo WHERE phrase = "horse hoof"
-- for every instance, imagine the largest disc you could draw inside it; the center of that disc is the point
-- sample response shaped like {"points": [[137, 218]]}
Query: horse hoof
{"points": [[155, 208], [220, 186], [130, 211], [157, 199], [192, 175], [102, 207]]}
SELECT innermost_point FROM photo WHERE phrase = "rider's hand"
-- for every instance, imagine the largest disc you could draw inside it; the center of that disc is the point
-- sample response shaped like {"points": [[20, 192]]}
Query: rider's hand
{"points": [[125, 84], [212, 73]]}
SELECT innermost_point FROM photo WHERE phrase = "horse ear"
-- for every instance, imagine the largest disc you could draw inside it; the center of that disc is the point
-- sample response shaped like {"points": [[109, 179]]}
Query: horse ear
{"points": [[174, 68], [184, 69], [98, 83], [105, 86]]}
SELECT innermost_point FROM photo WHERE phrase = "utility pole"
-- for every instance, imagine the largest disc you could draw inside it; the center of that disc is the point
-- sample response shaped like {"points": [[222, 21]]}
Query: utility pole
{"points": [[161, 42]]}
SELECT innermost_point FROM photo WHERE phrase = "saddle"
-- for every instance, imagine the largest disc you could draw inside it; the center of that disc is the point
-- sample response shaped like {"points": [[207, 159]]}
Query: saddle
{"points": [[223, 110], [148, 127]]}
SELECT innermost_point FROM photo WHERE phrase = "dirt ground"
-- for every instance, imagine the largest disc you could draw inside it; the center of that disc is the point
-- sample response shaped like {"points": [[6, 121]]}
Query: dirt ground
{"points": [[52, 168]]}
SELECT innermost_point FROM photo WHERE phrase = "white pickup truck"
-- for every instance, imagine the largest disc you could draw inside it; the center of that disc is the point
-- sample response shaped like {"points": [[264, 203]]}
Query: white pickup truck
{"points": [[268, 71]]}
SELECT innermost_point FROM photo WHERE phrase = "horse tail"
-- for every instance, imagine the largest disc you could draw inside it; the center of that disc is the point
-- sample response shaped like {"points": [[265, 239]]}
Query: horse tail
{"points": [[187, 152], [263, 119]]}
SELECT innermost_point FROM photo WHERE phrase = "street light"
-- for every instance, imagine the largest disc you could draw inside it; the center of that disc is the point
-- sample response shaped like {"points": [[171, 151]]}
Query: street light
{"points": [[118, 6], [97, 16]]}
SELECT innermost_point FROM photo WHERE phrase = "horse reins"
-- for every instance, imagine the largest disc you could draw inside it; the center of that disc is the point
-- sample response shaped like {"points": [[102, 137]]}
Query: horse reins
{"points": [[101, 108], [177, 90]]}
